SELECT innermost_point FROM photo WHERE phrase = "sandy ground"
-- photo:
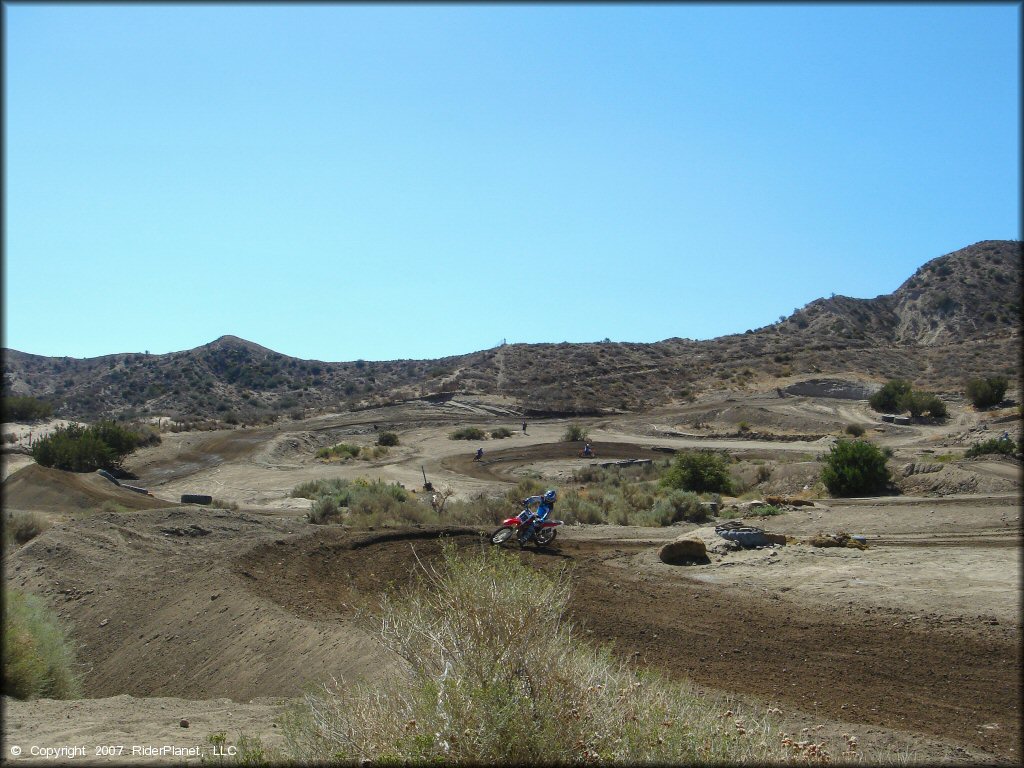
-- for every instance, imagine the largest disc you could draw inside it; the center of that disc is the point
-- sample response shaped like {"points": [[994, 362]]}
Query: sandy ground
{"points": [[220, 616], [131, 730]]}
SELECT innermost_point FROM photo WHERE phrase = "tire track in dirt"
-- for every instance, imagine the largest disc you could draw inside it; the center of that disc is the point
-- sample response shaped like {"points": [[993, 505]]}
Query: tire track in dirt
{"points": [[500, 465]]}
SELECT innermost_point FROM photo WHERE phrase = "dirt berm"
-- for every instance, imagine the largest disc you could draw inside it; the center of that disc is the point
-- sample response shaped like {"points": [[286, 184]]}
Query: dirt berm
{"points": [[43, 489]]}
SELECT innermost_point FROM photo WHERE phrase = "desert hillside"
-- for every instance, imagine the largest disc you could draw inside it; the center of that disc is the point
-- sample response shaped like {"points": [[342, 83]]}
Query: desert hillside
{"points": [[956, 317]]}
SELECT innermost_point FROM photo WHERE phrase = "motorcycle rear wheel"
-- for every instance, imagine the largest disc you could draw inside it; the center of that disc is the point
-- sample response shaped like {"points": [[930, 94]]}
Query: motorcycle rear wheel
{"points": [[502, 535]]}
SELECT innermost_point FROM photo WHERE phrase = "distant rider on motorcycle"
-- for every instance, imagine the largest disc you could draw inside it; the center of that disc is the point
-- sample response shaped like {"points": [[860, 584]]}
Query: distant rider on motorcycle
{"points": [[545, 504]]}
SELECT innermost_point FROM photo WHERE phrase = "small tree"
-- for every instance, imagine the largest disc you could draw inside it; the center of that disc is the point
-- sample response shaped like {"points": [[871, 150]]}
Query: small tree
{"points": [[935, 407], [854, 467], [887, 398], [78, 448], [987, 392], [918, 403], [699, 471]]}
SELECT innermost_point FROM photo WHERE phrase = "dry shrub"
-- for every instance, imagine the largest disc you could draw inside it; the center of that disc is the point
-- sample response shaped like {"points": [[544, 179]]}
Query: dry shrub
{"points": [[841, 539], [21, 526], [489, 671]]}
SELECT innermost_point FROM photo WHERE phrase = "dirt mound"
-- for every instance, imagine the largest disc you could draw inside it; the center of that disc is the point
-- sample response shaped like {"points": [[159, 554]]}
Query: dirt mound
{"points": [[970, 476], [44, 489], [160, 614]]}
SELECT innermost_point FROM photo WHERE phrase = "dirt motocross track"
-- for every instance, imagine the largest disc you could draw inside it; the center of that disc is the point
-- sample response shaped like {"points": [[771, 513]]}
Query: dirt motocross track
{"points": [[912, 644], [842, 664]]}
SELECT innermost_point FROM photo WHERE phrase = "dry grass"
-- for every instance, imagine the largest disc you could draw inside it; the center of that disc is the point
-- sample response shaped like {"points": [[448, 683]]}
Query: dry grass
{"points": [[489, 671], [21, 526], [38, 659]]}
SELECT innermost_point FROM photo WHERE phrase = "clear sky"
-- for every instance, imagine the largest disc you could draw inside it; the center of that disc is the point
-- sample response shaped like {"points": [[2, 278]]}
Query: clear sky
{"points": [[339, 182]]}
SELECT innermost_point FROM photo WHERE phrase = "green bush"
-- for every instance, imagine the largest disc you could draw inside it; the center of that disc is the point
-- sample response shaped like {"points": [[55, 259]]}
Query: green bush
{"points": [[897, 396], [361, 502], [574, 433], [854, 467], [574, 508], [323, 510], [760, 510], [918, 403], [934, 406], [678, 506], [477, 686], [854, 429], [341, 450], [25, 409], [987, 392], [387, 439], [314, 489], [887, 398], [700, 471], [999, 445], [468, 433], [78, 448], [501, 433], [38, 658]]}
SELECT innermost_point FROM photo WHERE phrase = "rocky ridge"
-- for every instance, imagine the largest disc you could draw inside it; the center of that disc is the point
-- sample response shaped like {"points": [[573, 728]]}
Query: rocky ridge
{"points": [[956, 317]]}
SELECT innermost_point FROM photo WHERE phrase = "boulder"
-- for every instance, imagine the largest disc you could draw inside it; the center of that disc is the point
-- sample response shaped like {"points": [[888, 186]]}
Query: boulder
{"points": [[685, 550]]}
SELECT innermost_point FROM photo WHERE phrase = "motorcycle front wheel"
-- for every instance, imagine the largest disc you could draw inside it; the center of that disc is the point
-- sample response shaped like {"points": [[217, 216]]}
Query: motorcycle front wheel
{"points": [[545, 536], [502, 535]]}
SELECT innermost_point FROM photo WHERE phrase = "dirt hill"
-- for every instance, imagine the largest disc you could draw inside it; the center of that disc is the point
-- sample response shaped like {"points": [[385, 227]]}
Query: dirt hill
{"points": [[956, 318], [40, 488]]}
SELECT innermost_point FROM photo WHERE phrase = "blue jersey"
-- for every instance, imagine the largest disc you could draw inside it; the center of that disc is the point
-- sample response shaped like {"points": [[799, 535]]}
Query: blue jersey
{"points": [[543, 508]]}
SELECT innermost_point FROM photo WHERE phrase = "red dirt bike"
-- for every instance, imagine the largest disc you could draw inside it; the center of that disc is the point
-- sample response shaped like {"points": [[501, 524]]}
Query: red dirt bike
{"points": [[542, 535]]}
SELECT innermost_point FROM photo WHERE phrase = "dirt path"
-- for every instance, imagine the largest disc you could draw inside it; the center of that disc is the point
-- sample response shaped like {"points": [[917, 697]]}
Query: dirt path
{"points": [[499, 466]]}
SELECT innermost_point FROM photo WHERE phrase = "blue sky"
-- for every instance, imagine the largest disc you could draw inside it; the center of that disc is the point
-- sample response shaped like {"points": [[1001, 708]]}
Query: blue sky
{"points": [[339, 182]]}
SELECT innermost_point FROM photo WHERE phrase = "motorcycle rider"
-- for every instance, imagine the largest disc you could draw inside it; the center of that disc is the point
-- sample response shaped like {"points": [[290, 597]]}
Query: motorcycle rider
{"points": [[545, 504]]}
